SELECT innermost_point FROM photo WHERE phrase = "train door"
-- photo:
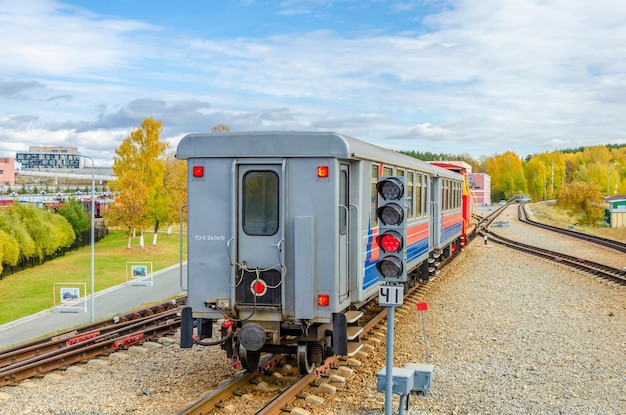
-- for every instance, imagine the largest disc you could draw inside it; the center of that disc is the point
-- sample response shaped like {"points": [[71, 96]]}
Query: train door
{"points": [[344, 231], [434, 213], [260, 239]]}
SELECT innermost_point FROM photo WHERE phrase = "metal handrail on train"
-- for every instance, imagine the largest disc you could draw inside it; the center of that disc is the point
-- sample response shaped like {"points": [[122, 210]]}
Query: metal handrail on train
{"points": [[180, 281]]}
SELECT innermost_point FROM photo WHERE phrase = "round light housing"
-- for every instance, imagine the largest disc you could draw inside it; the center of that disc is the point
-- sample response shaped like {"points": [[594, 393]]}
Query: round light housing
{"points": [[390, 214], [389, 267], [390, 241], [390, 189]]}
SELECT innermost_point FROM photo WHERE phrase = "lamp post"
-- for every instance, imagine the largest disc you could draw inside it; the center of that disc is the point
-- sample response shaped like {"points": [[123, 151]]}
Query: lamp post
{"points": [[93, 220]]}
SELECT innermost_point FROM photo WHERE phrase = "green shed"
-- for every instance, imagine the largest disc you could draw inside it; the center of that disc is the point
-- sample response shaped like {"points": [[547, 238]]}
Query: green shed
{"points": [[616, 211]]}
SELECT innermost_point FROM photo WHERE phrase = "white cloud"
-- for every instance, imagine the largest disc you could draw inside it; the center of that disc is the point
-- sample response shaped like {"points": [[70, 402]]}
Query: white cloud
{"points": [[477, 77]]}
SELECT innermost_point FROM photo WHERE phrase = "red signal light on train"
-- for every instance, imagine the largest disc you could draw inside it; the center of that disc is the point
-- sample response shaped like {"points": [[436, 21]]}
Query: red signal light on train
{"points": [[323, 300], [390, 241], [258, 287], [198, 171], [322, 172]]}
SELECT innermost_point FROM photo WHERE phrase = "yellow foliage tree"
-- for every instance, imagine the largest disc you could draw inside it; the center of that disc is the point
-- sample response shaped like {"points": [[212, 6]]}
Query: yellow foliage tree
{"points": [[584, 201], [140, 169], [220, 128], [507, 175], [175, 181]]}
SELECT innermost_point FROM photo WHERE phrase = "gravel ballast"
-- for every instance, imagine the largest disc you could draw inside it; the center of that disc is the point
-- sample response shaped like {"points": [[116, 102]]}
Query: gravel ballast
{"points": [[507, 334]]}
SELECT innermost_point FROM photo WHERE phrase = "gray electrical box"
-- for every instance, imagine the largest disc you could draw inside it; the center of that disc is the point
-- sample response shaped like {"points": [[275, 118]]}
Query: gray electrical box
{"points": [[422, 376], [402, 380]]}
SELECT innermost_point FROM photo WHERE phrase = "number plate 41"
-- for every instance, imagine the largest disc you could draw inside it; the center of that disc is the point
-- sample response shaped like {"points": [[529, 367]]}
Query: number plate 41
{"points": [[390, 295]]}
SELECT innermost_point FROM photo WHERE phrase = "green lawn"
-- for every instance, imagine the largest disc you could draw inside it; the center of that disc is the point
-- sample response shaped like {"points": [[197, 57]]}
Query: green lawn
{"points": [[30, 291]]}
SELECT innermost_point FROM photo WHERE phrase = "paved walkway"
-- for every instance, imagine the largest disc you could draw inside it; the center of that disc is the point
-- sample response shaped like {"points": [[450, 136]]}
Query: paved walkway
{"points": [[107, 304]]}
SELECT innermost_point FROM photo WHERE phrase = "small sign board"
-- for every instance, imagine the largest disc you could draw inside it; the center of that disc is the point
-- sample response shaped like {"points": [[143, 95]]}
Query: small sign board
{"points": [[139, 273], [67, 298], [390, 294]]}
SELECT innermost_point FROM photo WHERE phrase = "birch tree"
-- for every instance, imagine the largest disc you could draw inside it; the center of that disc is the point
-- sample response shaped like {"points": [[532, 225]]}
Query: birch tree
{"points": [[139, 166]]}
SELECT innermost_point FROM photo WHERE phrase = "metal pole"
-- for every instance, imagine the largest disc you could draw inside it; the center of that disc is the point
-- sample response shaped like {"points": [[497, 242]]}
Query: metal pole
{"points": [[425, 339], [93, 220], [389, 369]]}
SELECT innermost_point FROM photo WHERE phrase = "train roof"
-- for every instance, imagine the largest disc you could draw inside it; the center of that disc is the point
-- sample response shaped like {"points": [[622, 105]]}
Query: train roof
{"points": [[295, 144]]}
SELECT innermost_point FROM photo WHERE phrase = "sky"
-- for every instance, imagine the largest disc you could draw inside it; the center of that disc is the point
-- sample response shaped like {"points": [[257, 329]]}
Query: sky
{"points": [[471, 77]]}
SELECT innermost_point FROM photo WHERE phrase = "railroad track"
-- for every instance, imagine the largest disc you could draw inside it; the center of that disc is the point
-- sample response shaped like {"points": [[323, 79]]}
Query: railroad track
{"points": [[603, 271], [522, 215], [39, 357], [295, 388]]}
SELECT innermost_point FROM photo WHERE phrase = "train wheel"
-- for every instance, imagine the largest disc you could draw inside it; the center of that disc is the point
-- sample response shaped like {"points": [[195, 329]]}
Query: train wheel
{"points": [[309, 355], [249, 359]]}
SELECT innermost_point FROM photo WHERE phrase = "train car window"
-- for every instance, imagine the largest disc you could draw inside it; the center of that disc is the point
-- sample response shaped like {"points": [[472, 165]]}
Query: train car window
{"points": [[409, 194], [387, 171], [374, 197], [260, 203], [453, 194], [450, 194], [399, 172], [444, 202], [419, 196]]}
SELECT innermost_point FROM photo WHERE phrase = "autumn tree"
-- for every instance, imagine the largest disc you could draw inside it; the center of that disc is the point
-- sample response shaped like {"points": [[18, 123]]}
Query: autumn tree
{"points": [[536, 179], [175, 181], [584, 201], [47, 230], [220, 128], [9, 250], [507, 175], [11, 223], [139, 166]]}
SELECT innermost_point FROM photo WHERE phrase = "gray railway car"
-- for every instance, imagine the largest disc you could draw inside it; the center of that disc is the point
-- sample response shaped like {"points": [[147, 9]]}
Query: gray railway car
{"points": [[282, 238]]}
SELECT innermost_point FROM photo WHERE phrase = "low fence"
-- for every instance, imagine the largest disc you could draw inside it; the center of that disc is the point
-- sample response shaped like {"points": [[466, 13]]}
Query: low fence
{"points": [[80, 242]]}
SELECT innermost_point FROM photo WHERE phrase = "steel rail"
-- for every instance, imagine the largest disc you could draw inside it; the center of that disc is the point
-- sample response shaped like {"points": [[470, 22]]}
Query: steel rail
{"points": [[522, 215], [55, 342], [102, 344], [600, 270]]}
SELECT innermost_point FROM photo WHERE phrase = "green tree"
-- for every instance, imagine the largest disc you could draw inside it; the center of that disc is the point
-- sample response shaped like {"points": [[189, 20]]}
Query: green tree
{"points": [[12, 224], [38, 229], [48, 230], [9, 250], [583, 201], [140, 168], [62, 230], [74, 212]]}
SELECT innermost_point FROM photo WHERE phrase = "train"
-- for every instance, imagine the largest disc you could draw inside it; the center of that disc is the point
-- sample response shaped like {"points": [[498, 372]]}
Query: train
{"points": [[282, 238]]}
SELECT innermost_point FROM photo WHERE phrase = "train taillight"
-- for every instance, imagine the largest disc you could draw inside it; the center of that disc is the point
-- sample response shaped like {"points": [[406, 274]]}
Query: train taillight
{"points": [[322, 172], [198, 171], [323, 300]]}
